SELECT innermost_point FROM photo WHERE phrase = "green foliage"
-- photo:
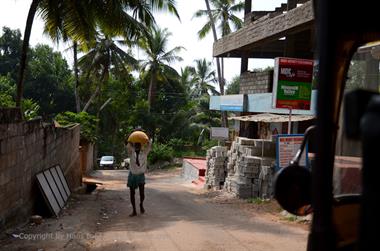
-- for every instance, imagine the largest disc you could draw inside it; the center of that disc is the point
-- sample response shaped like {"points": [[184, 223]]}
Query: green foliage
{"points": [[234, 86], [209, 143], [10, 52], [159, 58], [160, 152], [223, 16], [203, 78], [48, 82], [257, 201], [7, 91], [88, 123], [30, 109], [6, 100], [177, 144]]}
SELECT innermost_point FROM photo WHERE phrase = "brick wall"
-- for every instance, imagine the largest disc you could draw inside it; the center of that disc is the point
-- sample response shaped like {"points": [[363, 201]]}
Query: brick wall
{"points": [[27, 148], [256, 82]]}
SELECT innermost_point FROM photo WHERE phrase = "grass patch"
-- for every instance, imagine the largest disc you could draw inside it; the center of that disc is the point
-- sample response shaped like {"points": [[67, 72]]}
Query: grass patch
{"points": [[171, 167], [257, 201], [291, 218]]}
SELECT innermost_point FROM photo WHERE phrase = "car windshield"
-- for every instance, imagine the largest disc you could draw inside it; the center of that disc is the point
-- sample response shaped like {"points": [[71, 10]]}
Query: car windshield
{"points": [[107, 158]]}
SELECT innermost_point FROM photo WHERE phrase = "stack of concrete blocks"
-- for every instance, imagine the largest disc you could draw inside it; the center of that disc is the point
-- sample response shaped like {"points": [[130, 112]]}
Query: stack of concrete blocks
{"points": [[250, 168], [216, 167]]}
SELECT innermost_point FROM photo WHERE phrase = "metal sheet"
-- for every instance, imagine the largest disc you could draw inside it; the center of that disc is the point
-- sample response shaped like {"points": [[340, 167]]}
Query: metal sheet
{"points": [[63, 179], [54, 188], [48, 194], [59, 184]]}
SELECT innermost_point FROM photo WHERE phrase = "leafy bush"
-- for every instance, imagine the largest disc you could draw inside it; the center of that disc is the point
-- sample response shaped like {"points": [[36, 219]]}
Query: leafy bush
{"points": [[178, 145], [88, 123], [160, 152], [209, 143], [30, 109]]}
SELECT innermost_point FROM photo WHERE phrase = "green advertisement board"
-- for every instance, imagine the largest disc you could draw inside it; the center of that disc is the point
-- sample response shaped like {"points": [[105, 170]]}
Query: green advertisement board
{"points": [[292, 83]]}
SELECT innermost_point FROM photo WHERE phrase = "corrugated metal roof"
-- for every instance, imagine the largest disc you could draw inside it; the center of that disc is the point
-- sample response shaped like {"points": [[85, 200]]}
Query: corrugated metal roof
{"points": [[271, 118]]}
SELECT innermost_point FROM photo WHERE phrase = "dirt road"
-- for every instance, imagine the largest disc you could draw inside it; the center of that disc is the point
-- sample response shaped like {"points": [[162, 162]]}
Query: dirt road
{"points": [[177, 217]]}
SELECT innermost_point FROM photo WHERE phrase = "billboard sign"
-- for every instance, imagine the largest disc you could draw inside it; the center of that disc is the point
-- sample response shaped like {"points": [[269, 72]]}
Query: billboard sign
{"points": [[292, 83], [287, 147]]}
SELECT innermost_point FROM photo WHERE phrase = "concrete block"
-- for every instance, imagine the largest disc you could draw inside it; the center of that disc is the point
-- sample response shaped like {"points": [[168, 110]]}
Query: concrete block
{"points": [[246, 141]]}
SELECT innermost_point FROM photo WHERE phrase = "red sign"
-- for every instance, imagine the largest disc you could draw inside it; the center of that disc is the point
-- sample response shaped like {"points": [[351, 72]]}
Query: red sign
{"points": [[287, 147]]}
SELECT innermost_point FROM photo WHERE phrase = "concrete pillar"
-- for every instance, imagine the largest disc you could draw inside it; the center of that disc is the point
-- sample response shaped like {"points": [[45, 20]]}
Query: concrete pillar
{"points": [[291, 4], [247, 7], [244, 59], [290, 42]]}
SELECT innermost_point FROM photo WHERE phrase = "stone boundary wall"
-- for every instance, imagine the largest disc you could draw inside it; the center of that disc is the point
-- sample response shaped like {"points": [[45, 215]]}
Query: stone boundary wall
{"points": [[86, 157], [27, 148], [256, 82]]}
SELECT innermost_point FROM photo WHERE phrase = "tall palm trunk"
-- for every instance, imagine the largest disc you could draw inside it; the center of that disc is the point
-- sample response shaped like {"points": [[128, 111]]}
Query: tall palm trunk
{"points": [[76, 73], [93, 96], [104, 79], [152, 88], [218, 67], [25, 48]]}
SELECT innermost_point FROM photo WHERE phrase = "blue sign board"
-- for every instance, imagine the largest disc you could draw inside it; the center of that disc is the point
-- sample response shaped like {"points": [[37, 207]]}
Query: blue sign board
{"points": [[233, 103]]}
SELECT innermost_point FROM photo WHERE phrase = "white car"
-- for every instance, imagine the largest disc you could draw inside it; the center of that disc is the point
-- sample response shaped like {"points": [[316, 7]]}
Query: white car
{"points": [[107, 162]]}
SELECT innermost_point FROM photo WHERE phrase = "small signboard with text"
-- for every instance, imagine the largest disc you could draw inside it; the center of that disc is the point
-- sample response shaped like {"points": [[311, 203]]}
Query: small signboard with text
{"points": [[220, 133], [292, 83], [287, 147]]}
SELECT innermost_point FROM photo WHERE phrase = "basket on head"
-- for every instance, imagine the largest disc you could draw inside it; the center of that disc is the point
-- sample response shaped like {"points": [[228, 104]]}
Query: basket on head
{"points": [[138, 137]]}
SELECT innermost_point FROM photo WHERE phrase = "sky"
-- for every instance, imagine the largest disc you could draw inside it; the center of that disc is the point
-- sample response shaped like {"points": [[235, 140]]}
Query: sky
{"points": [[13, 13]]}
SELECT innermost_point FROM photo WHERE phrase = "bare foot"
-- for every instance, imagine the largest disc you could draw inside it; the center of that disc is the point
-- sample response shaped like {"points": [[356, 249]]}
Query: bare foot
{"points": [[142, 210], [133, 214]]}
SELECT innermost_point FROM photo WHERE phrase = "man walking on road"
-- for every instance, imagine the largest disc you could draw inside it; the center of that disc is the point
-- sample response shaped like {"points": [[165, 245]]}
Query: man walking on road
{"points": [[138, 146]]}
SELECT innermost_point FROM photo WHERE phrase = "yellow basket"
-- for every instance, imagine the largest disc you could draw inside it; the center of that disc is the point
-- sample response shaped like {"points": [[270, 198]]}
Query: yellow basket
{"points": [[138, 137]]}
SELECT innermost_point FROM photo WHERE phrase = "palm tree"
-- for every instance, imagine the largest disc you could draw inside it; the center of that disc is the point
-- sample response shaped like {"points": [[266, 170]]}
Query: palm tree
{"points": [[203, 77], [59, 19], [223, 13], [187, 79], [100, 60], [24, 52], [80, 20], [158, 61]]}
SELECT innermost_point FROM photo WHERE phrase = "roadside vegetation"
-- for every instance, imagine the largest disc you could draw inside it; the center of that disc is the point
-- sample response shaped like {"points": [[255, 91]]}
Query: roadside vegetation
{"points": [[107, 90]]}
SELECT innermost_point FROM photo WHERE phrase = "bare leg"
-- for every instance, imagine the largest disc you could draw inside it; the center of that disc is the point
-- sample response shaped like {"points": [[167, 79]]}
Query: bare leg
{"points": [[142, 197], [132, 197]]}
